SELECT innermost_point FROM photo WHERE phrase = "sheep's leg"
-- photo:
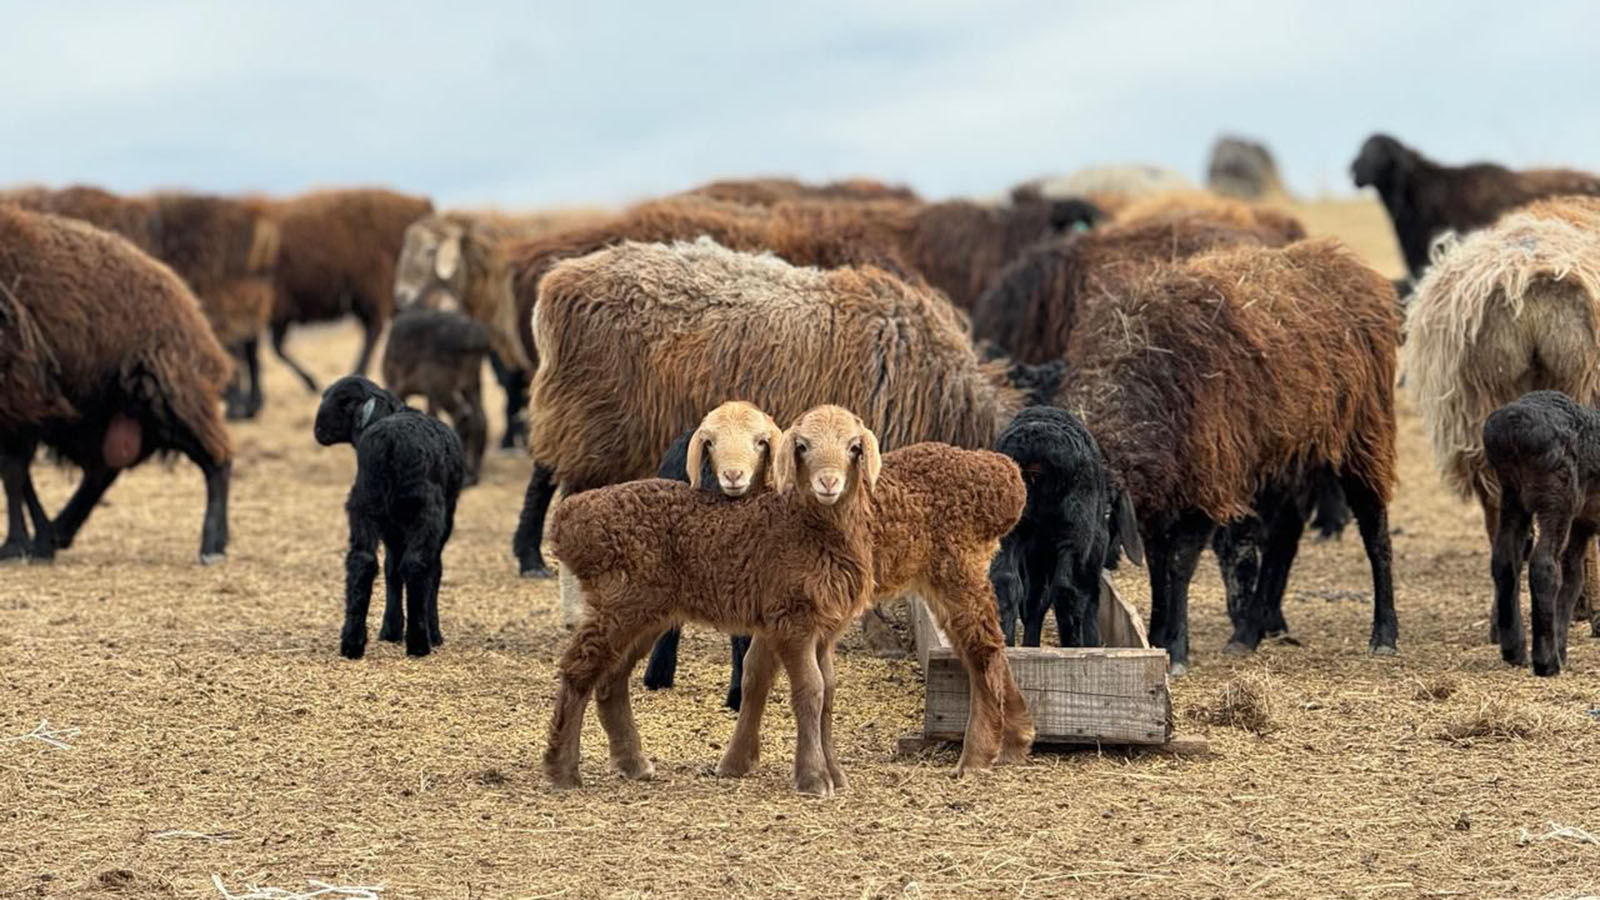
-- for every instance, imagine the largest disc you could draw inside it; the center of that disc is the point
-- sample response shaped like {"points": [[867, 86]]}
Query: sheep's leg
{"points": [[435, 634], [360, 567], [515, 384], [1373, 517], [1075, 596], [1544, 583], [830, 754], [234, 400], [1171, 569], [252, 364], [1037, 583], [1005, 573], [744, 748], [616, 715], [21, 499], [1572, 572], [806, 689], [998, 723], [466, 413], [418, 567], [280, 331], [1491, 523], [738, 645], [1283, 545], [530, 527], [96, 481], [1505, 564], [592, 652], [393, 628], [371, 327], [1237, 546], [663, 665]]}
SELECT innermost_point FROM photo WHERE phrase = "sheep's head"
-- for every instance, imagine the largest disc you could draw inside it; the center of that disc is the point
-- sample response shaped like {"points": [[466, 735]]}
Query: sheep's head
{"points": [[349, 405], [830, 452], [429, 273], [1381, 160], [734, 442]]}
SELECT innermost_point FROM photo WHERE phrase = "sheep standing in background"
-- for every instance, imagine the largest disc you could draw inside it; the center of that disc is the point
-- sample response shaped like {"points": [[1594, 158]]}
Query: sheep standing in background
{"points": [[105, 359], [408, 476], [1426, 199], [440, 356], [1109, 187], [771, 191], [337, 258], [1076, 523], [1236, 370], [1544, 450], [1243, 168], [1504, 311]]}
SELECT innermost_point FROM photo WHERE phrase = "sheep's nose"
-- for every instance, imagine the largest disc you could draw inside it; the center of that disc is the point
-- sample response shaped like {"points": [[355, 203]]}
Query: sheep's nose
{"points": [[830, 483], [733, 476]]}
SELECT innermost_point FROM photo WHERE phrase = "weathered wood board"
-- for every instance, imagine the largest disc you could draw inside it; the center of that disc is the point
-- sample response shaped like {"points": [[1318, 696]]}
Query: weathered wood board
{"points": [[1102, 695]]}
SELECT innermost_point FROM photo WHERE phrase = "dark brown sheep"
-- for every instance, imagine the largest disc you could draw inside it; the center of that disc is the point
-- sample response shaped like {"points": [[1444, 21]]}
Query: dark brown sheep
{"points": [[1241, 369], [337, 258], [106, 359], [1425, 199], [770, 191]]}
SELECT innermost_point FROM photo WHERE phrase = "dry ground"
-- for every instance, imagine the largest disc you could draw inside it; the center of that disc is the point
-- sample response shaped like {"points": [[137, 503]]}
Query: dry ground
{"points": [[219, 732]]}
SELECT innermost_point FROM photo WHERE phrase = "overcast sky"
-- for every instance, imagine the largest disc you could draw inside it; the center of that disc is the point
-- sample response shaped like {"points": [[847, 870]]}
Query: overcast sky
{"points": [[532, 103]]}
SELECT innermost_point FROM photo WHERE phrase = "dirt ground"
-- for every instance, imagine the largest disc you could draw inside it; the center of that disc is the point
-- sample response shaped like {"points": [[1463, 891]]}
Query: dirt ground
{"points": [[214, 730]]}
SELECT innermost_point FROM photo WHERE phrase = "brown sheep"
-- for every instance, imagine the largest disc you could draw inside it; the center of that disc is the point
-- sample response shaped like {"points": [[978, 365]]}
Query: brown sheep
{"points": [[1426, 199], [771, 191], [337, 258], [106, 359], [646, 337], [1207, 382]]}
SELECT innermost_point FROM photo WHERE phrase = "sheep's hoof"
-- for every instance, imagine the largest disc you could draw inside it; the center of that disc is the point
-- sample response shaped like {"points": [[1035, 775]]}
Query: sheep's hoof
{"points": [[13, 551], [836, 775], [1237, 648], [211, 559], [816, 784], [418, 648], [539, 572], [1546, 669], [352, 649], [564, 781], [1177, 669], [1384, 650], [391, 632], [638, 769], [735, 767], [1514, 656]]}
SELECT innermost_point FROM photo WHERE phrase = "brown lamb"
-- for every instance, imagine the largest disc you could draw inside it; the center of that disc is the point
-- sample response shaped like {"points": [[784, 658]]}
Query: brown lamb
{"points": [[337, 257], [1241, 369], [106, 359]]}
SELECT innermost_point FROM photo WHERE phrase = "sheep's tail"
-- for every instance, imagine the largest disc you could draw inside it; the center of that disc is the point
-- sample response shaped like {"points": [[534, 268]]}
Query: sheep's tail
{"points": [[29, 372], [1501, 312]]}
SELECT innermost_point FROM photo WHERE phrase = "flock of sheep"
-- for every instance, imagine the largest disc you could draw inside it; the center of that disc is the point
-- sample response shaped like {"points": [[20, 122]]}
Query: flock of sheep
{"points": [[821, 376]]}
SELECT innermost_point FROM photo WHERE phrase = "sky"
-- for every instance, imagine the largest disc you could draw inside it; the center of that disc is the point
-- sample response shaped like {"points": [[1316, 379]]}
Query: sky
{"points": [[535, 104]]}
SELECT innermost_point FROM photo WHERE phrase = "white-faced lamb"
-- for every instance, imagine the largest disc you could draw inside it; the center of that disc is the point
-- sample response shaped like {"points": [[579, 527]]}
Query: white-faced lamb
{"points": [[409, 474]]}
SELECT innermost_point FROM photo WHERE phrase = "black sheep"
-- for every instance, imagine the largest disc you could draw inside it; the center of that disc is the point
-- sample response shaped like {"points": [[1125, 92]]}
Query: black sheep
{"points": [[1075, 524], [409, 473], [1544, 449]]}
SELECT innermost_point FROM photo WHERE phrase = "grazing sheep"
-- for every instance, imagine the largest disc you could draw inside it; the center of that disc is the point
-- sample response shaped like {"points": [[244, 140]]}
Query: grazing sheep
{"points": [[1426, 199], [440, 356], [337, 256], [408, 476], [771, 191], [794, 568], [1243, 168], [1544, 450], [645, 337], [1075, 524], [1506, 310], [729, 454], [105, 359], [1241, 369]]}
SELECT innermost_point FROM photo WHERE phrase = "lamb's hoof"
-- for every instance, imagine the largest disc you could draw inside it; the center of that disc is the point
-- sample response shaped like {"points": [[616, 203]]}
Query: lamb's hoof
{"points": [[1517, 657], [418, 648], [539, 572], [437, 640], [1385, 650], [41, 554], [1547, 668], [352, 649], [733, 699], [840, 783], [639, 769], [13, 551], [564, 781], [394, 634], [1177, 669], [817, 784], [1594, 626], [211, 559], [1237, 648]]}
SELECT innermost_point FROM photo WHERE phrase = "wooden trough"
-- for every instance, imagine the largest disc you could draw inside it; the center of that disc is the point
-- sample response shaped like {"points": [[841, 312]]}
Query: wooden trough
{"points": [[1116, 694]]}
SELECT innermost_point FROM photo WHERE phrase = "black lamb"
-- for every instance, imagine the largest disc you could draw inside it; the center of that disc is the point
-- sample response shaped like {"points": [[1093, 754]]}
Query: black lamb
{"points": [[409, 473], [1075, 524]]}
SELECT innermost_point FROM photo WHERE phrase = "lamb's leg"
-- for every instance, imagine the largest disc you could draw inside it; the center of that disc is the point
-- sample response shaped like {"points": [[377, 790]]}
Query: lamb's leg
{"points": [[530, 527], [280, 331], [1373, 517], [593, 651], [1491, 522], [466, 412], [96, 481], [1037, 583], [1005, 573], [830, 753], [663, 665], [435, 634], [360, 567], [616, 715], [1544, 583], [806, 691], [1172, 567], [1572, 571], [418, 567], [1075, 596], [1505, 564], [744, 748], [963, 603], [393, 628], [738, 645]]}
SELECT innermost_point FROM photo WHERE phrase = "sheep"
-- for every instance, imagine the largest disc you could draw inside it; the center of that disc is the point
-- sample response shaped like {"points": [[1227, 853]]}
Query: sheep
{"points": [[1109, 187], [106, 359], [409, 474], [1240, 369], [1075, 524], [1544, 450], [1425, 199], [645, 337], [771, 191], [457, 261], [729, 453], [1243, 168], [1503, 311], [337, 256], [440, 356], [794, 567]]}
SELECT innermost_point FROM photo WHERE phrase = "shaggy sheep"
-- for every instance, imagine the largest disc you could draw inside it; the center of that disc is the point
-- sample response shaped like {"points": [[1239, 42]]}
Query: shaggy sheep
{"points": [[440, 356], [105, 359], [771, 191], [1109, 187], [637, 340], [1076, 523], [1544, 450], [1306, 333], [1243, 168], [1506, 310], [408, 476], [729, 454], [793, 567], [1425, 199], [337, 258]]}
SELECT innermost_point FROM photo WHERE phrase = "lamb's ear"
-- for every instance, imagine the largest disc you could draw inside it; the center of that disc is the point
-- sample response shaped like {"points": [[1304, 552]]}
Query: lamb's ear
{"points": [[447, 258], [364, 415], [696, 457], [783, 465], [871, 459], [774, 443]]}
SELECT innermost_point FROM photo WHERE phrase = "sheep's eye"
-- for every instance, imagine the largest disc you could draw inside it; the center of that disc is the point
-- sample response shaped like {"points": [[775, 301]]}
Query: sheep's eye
{"points": [[762, 445], [855, 449], [800, 449]]}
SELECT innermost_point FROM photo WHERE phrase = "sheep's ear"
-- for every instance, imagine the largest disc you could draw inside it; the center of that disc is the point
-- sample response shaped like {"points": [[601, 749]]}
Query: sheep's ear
{"points": [[871, 459], [447, 258], [783, 465], [1126, 530], [774, 444], [364, 415], [696, 457]]}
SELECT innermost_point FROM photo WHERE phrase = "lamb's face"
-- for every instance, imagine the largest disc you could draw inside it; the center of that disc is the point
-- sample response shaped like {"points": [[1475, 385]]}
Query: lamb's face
{"points": [[830, 452], [737, 439], [346, 405]]}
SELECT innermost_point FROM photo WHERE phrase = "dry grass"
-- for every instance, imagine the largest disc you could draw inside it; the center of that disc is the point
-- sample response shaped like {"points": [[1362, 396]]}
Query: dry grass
{"points": [[219, 732], [1245, 702]]}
